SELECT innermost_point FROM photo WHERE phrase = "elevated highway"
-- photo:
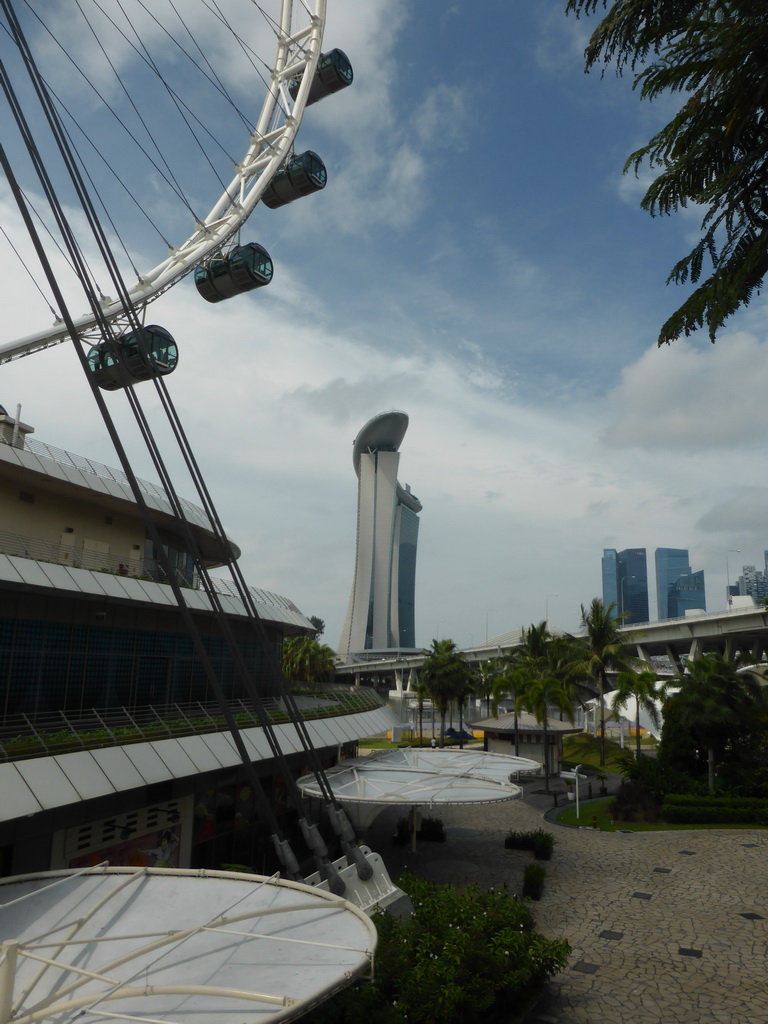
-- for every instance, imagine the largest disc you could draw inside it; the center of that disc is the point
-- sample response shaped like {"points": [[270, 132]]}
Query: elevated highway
{"points": [[734, 632]]}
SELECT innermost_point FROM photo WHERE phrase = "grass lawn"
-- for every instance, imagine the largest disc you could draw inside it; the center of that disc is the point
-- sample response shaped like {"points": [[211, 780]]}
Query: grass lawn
{"points": [[584, 749], [600, 810]]}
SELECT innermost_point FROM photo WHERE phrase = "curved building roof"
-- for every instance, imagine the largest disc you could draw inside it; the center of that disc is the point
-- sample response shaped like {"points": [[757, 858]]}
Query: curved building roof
{"points": [[385, 432]]}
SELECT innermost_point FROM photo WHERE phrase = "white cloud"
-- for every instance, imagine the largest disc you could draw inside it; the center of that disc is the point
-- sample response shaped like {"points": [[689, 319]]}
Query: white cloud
{"points": [[693, 397]]}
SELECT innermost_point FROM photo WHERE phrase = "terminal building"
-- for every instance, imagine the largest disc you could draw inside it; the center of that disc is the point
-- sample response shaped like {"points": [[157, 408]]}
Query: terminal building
{"points": [[380, 615], [112, 746]]}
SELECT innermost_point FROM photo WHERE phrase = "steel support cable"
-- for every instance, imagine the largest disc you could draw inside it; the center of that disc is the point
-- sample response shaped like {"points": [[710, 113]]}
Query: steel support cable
{"points": [[337, 816], [240, 584], [178, 103], [282, 848], [249, 53], [340, 825], [312, 837], [20, 258], [287, 859], [211, 74], [170, 181]]}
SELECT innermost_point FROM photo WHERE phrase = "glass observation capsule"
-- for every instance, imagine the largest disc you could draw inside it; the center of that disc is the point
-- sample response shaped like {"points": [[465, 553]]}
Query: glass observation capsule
{"points": [[300, 176], [247, 267], [134, 357], [334, 72]]}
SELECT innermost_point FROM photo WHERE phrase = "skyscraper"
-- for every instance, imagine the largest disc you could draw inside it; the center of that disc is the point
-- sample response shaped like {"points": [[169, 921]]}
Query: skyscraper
{"points": [[753, 583], [633, 585], [610, 579], [380, 614], [625, 583], [671, 563], [687, 594]]}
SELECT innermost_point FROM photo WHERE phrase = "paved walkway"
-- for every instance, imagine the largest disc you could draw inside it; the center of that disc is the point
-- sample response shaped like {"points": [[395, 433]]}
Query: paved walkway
{"points": [[665, 927]]}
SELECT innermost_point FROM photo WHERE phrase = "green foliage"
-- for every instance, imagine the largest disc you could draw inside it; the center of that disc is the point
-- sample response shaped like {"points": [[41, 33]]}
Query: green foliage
{"points": [[717, 711], [445, 676], [538, 840], [462, 959], [431, 830], [643, 686], [714, 151], [714, 810], [306, 660], [605, 650], [584, 749], [534, 874]]}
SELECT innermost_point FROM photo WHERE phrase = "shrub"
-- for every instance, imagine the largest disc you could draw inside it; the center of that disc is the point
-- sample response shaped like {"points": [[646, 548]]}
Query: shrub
{"points": [[543, 842], [685, 809], [538, 840], [461, 959], [432, 829], [518, 840], [533, 880]]}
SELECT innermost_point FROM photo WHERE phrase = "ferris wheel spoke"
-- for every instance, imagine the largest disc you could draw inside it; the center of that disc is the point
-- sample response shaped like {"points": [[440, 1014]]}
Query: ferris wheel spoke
{"points": [[291, 85]]}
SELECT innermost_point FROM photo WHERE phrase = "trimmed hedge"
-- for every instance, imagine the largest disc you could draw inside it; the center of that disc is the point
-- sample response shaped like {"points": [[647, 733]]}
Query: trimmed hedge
{"points": [[685, 809], [469, 957]]}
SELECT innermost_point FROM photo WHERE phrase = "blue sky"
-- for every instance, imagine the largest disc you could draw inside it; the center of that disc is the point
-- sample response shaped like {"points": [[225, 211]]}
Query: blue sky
{"points": [[479, 261]]}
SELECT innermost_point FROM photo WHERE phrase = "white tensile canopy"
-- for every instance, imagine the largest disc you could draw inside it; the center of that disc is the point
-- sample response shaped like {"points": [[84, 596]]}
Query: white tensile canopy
{"points": [[415, 777], [166, 946]]}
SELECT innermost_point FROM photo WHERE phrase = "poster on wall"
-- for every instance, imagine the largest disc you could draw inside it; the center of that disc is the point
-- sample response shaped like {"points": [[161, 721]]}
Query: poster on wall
{"points": [[154, 836], [158, 849]]}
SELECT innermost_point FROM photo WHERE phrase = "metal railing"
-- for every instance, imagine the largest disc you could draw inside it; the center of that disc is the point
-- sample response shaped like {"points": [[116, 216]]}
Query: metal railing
{"points": [[96, 561], [26, 736], [42, 450]]}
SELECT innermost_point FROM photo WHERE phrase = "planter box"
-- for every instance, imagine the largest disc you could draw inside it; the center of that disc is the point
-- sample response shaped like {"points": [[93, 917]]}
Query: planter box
{"points": [[533, 892]]}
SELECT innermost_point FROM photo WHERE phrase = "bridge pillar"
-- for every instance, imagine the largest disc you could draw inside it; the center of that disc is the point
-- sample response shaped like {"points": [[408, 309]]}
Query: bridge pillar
{"points": [[413, 680], [399, 681]]}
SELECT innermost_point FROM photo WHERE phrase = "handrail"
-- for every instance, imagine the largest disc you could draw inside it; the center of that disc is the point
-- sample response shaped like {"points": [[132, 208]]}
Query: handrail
{"points": [[38, 550], [48, 733]]}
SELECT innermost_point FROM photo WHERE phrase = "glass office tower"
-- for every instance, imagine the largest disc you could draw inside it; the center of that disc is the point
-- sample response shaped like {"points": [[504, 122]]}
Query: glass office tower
{"points": [[687, 594], [625, 583], [671, 564]]}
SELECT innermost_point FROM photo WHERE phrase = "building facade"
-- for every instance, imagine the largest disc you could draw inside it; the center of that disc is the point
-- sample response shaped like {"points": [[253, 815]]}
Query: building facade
{"points": [[687, 595], [610, 578], [753, 582], [112, 745], [380, 614], [671, 563], [627, 586]]}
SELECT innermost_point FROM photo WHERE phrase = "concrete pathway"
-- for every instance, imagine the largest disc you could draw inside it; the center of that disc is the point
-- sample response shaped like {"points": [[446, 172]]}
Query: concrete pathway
{"points": [[665, 927]]}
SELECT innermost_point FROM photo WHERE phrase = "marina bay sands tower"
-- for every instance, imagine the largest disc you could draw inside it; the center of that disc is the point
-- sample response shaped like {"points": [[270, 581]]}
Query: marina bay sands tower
{"points": [[380, 615]]}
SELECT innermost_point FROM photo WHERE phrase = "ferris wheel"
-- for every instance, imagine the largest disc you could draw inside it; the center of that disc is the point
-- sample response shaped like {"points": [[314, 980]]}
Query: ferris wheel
{"points": [[183, 50]]}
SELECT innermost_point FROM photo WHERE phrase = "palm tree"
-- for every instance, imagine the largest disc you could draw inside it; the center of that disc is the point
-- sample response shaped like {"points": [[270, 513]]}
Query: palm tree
{"points": [[542, 692], [643, 686], [510, 684], [445, 674], [486, 675], [605, 650], [306, 660], [713, 702]]}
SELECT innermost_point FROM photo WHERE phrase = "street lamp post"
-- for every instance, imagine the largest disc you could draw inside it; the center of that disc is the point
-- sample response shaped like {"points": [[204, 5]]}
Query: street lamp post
{"points": [[734, 551], [546, 607], [621, 590]]}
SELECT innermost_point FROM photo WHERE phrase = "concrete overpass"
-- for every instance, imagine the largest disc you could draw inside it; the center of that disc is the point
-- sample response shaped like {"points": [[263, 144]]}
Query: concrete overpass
{"points": [[738, 631]]}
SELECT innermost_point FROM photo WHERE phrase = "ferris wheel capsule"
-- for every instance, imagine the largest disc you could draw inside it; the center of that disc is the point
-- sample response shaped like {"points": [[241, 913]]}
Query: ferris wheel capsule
{"points": [[300, 176], [137, 356], [334, 73], [246, 267]]}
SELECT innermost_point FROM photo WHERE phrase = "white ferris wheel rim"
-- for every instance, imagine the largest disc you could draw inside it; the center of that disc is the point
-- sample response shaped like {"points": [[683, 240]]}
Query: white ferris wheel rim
{"points": [[298, 51]]}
